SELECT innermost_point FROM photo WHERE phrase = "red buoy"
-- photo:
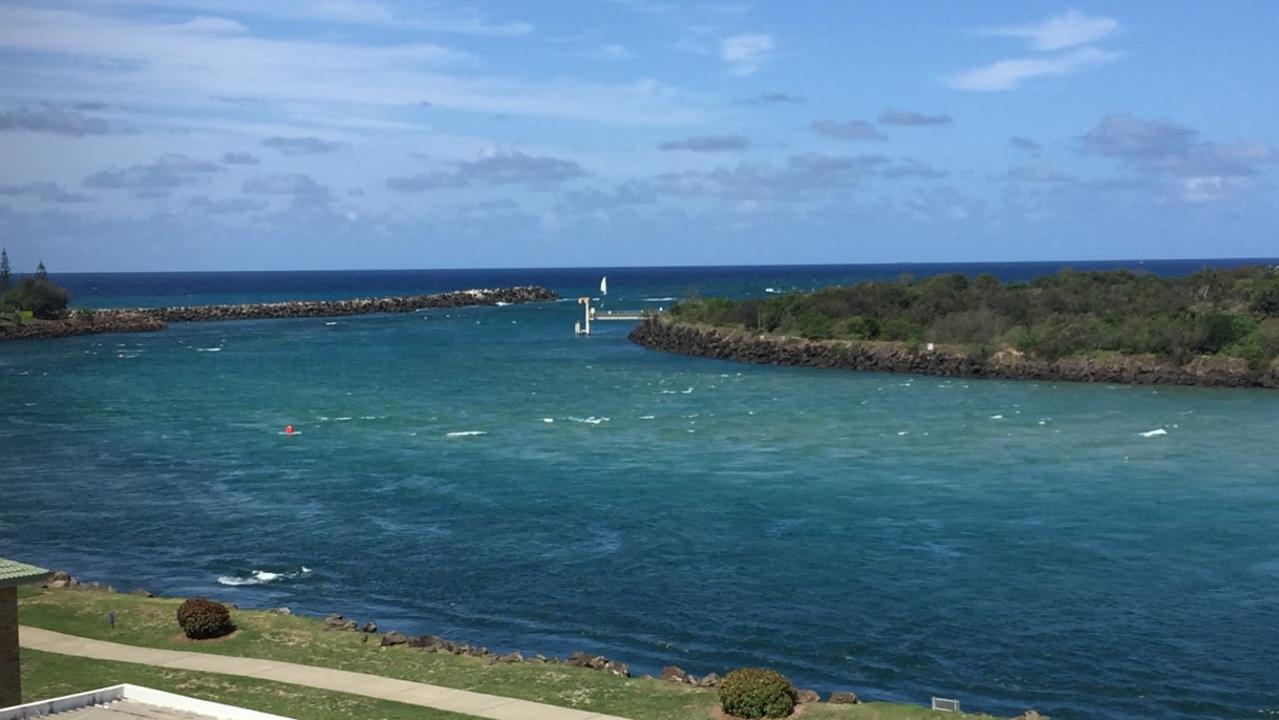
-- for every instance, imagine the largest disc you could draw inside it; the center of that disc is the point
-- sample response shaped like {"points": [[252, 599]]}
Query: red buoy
{"points": [[288, 429]]}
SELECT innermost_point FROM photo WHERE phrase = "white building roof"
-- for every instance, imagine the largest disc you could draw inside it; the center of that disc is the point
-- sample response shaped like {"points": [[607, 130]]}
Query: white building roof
{"points": [[130, 702]]}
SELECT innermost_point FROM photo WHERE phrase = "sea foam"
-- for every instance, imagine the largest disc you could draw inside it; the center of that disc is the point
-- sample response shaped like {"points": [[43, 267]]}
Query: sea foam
{"points": [[262, 577]]}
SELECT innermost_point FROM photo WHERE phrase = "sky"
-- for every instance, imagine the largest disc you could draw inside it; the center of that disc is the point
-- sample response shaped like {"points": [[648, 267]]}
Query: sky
{"points": [[154, 135]]}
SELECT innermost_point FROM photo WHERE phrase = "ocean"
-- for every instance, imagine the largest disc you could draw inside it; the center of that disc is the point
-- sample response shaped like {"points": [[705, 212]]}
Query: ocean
{"points": [[485, 475]]}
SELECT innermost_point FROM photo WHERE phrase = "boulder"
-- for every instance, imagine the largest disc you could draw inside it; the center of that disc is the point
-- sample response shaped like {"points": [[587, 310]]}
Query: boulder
{"points": [[843, 697], [61, 579], [598, 662], [368, 627], [426, 642], [577, 658], [141, 593], [1031, 715], [617, 668], [807, 696], [709, 680], [674, 673], [334, 621], [395, 637], [513, 656], [280, 611]]}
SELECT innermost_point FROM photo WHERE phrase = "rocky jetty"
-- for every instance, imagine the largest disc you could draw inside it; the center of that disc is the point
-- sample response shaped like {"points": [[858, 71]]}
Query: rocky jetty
{"points": [[84, 322], [662, 333]]}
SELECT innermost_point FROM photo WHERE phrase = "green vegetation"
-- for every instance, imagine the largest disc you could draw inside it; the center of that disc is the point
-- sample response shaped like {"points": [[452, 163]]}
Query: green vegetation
{"points": [[756, 693], [37, 295], [1213, 312], [150, 622], [202, 619], [46, 675]]}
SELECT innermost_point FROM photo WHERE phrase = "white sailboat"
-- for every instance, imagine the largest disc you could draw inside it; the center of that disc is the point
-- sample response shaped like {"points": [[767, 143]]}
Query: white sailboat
{"points": [[604, 285]]}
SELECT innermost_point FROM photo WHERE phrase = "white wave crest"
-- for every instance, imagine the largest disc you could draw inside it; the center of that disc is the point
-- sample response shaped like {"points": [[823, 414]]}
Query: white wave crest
{"points": [[592, 420], [465, 433], [209, 349], [262, 577], [661, 299], [1154, 433]]}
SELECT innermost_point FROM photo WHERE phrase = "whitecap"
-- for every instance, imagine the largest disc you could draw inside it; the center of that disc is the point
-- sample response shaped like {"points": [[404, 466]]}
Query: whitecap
{"points": [[209, 349], [465, 433], [1154, 433], [689, 391], [502, 304], [548, 420], [592, 420], [661, 299], [996, 417], [647, 417], [331, 323], [262, 577]]}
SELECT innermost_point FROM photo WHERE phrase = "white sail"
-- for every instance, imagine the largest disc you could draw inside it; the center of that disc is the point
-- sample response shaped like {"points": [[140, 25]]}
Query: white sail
{"points": [[604, 285]]}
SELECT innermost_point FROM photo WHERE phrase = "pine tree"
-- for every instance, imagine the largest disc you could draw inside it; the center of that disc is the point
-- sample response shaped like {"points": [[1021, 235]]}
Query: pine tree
{"points": [[4, 270], [41, 273]]}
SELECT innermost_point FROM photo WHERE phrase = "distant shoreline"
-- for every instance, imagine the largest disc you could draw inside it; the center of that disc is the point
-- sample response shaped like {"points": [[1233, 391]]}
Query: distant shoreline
{"points": [[668, 335], [88, 322]]}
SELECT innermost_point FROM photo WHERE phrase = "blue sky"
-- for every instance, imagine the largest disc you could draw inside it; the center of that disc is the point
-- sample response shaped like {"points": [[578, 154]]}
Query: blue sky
{"points": [[302, 134]]}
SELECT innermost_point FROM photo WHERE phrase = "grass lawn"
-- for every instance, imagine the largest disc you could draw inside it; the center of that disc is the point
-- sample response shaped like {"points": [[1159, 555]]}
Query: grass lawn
{"points": [[150, 622], [46, 675]]}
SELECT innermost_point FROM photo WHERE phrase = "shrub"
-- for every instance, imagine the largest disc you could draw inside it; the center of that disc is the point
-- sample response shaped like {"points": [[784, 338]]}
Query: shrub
{"points": [[756, 693], [201, 619]]}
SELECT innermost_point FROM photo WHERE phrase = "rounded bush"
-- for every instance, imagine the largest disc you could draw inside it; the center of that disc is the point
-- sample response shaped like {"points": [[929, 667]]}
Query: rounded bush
{"points": [[756, 693], [202, 619]]}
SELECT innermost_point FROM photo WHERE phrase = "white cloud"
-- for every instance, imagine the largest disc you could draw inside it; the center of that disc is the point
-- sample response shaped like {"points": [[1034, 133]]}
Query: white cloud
{"points": [[613, 51], [1009, 74], [370, 13], [745, 53], [1069, 29], [135, 61]]}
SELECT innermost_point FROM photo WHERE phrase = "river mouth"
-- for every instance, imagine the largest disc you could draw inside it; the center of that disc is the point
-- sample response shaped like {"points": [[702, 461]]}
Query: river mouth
{"points": [[899, 535]]}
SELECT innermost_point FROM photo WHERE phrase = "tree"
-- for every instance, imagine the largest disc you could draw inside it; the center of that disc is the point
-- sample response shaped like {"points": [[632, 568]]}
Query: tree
{"points": [[39, 295], [41, 273], [5, 278]]}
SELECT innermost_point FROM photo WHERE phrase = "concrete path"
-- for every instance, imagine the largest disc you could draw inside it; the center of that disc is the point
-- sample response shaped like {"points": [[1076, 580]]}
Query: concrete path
{"points": [[353, 683]]}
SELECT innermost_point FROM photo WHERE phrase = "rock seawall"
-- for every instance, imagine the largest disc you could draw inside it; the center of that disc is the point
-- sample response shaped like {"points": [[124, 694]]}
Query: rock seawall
{"points": [[84, 322], [726, 344]]}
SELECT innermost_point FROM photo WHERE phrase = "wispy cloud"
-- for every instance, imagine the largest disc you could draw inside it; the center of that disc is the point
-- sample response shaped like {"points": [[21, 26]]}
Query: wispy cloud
{"points": [[55, 119], [132, 60], [1056, 37], [170, 171], [1067, 30], [908, 118], [422, 17], [1009, 74], [770, 98], [1024, 143], [46, 191], [745, 53], [846, 130], [708, 143], [302, 145], [538, 172], [239, 158], [613, 51]]}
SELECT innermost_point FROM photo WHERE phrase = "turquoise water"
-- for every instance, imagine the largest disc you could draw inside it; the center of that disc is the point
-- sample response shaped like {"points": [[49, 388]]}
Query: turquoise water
{"points": [[1010, 544]]}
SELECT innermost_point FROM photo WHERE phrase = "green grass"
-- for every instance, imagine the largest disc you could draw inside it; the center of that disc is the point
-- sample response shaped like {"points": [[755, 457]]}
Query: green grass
{"points": [[151, 623], [46, 675]]}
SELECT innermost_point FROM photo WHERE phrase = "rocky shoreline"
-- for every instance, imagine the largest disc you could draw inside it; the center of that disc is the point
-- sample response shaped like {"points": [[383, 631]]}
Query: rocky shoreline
{"points": [[661, 333], [85, 322]]}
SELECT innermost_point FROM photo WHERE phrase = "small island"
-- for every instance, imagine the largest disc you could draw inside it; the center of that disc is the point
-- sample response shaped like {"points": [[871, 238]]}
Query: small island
{"points": [[1213, 328]]}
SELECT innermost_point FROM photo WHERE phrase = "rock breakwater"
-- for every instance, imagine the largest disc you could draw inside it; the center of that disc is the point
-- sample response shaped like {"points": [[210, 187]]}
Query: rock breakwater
{"points": [[84, 322], [661, 333]]}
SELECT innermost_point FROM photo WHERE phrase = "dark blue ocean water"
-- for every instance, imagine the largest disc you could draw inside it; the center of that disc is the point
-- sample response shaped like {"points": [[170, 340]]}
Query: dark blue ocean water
{"points": [[486, 475]]}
